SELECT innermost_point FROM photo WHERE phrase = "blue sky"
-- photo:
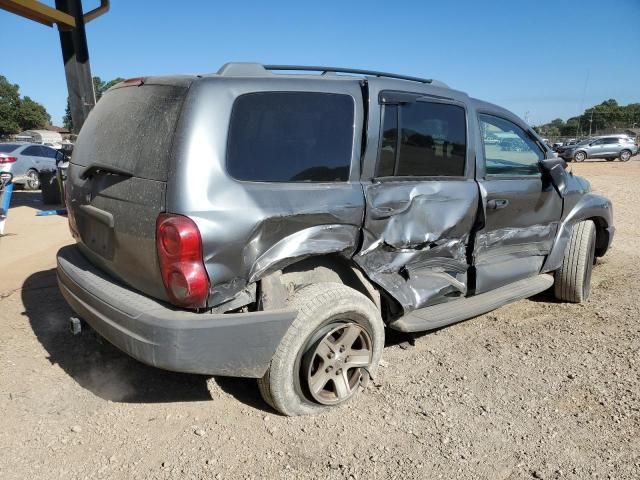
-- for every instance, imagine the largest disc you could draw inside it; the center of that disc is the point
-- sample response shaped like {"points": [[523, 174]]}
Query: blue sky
{"points": [[532, 57]]}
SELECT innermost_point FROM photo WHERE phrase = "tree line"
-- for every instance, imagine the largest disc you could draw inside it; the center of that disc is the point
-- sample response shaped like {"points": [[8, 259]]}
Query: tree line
{"points": [[99, 87], [607, 115], [19, 113]]}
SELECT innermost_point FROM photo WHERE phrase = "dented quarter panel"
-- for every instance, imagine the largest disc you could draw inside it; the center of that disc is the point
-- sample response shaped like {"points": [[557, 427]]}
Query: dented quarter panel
{"points": [[250, 229]]}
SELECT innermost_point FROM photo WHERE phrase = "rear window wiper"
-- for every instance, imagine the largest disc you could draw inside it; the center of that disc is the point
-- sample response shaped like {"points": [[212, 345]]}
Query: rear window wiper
{"points": [[99, 168]]}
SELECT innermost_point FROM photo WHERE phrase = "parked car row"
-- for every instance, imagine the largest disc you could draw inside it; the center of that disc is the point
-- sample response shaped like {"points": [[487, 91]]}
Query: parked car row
{"points": [[608, 147]]}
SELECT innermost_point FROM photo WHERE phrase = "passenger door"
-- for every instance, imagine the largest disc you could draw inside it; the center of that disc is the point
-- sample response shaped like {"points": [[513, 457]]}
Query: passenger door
{"points": [[611, 146], [421, 198], [520, 206]]}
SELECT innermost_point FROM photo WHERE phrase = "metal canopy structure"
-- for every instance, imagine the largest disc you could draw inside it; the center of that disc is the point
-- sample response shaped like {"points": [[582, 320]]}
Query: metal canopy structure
{"points": [[70, 19]]}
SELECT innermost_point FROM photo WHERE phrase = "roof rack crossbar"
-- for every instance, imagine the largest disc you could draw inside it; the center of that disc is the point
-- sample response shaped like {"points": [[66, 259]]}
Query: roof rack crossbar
{"points": [[326, 70]]}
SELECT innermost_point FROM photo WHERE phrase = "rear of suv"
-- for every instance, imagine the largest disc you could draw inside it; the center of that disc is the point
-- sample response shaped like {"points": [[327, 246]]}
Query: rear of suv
{"points": [[272, 226]]}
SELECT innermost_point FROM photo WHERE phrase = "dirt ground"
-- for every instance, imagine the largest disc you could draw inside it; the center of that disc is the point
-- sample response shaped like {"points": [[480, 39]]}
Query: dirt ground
{"points": [[536, 389]]}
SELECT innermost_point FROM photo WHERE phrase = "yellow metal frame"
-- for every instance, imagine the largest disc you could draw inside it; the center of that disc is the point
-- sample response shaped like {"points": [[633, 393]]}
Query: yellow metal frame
{"points": [[38, 12]]}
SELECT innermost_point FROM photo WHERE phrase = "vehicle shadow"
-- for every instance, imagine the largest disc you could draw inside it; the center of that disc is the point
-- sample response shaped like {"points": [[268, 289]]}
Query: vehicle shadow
{"points": [[93, 362], [29, 198]]}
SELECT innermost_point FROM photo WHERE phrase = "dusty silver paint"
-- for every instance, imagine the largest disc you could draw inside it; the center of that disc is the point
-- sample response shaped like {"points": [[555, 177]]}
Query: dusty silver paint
{"points": [[250, 229]]}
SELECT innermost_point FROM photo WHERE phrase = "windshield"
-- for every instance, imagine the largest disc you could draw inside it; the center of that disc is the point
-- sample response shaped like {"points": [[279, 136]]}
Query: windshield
{"points": [[584, 142], [8, 147]]}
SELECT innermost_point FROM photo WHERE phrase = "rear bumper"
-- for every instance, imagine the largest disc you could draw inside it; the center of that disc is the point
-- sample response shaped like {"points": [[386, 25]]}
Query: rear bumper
{"points": [[160, 335]]}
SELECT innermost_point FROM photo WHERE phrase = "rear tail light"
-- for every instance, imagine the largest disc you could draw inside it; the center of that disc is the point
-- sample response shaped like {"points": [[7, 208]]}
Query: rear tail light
{"points": [[8, 159], [180, 253]]}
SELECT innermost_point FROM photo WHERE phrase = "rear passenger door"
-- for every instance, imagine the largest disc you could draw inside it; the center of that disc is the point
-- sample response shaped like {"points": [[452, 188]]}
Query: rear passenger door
{"points": [[520, 206], [421, 198]]}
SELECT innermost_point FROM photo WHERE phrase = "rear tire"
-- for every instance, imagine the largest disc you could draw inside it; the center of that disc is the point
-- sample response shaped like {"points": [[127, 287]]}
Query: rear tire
{"points": [[625, 155], [328, 313], [573, 278]]}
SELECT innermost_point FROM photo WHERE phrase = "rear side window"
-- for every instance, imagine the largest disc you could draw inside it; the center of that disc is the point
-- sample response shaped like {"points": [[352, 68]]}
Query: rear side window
{"points": [[34, 151], [8, 147], [433, 140], [291, 137]]}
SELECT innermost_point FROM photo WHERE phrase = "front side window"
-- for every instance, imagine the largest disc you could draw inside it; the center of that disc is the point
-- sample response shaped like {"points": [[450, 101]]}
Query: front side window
{"points": [[514, 154], [433, 140], [291, 137]]}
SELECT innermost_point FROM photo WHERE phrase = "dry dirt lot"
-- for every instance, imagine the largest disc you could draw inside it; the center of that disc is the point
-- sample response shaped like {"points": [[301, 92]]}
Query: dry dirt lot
{"points": [[536, 389]]}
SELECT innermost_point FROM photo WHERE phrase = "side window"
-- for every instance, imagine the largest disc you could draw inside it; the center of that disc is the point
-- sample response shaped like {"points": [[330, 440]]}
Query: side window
{"points": [[433, 140], [513, 154], [33, 150], [49, 152], [610, 141], [291, 137]]}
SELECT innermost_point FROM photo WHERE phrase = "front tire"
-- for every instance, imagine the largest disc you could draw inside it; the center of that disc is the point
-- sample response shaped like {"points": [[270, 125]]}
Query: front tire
{"points": [[580, 156], [625, 155], [327, 354], [33, 180], [573, 278]]}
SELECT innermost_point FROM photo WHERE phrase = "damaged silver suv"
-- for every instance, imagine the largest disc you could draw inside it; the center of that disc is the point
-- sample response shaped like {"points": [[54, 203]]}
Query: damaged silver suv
{"points": [[273, 225]]}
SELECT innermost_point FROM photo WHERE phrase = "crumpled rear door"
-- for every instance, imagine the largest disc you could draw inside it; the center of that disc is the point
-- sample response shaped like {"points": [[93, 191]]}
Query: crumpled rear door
{"points": [[421, 205]]}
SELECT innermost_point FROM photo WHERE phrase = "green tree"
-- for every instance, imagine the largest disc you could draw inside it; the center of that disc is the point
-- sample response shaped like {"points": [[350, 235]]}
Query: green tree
{"points": [[32, 115], [9, 104], [67, 121]]}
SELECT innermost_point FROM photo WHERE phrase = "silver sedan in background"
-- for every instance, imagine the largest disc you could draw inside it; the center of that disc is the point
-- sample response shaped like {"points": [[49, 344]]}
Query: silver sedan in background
{"points": [[25, 161]]}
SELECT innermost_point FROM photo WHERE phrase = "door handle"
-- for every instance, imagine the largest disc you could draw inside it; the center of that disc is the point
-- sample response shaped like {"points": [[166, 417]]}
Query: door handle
{"points": [[497, 203]]}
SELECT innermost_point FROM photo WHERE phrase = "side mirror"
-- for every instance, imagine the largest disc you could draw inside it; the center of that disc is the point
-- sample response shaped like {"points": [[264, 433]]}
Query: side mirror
{"points": [[555, 168], [59, 157]]}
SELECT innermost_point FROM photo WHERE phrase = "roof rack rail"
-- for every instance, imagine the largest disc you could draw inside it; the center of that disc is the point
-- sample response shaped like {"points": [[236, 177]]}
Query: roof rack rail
{"points": [[329, 70]]}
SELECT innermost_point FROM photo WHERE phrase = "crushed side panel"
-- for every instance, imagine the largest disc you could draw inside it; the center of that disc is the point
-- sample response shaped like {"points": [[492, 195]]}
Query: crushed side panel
{"points": [[415, 239]]}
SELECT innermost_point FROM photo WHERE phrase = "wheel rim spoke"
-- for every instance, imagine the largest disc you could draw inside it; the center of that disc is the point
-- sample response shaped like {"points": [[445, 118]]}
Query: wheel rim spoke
{"points": [[343, 389], [349, 336], [318, 381], [358, 358], [325, 349]]}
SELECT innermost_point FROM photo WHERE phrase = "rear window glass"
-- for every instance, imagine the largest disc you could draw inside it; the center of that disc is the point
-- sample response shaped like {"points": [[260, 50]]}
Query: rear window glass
{"points": [[291, 137], [8, 147], [131, 129]]}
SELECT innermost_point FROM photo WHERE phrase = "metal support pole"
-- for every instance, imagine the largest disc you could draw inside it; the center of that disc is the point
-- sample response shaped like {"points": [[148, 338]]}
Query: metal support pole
{"points": [[75, 54]]}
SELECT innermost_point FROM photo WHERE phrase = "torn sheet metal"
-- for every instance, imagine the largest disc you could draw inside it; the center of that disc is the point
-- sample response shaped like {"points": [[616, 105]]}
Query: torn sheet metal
{"points": [[416, 237]]}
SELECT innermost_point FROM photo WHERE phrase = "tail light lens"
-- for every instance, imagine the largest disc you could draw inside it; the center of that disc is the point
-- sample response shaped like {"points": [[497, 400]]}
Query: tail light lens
{"points": [[180, 253], [8, 159]]}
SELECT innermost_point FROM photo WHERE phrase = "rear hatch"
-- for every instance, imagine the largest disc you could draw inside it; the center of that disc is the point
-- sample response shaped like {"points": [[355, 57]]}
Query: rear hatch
{"points": [[117, 178]]}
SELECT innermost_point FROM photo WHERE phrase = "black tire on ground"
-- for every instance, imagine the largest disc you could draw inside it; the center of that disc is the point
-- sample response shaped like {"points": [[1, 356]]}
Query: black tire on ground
{"points": [[580, 156], [625, 155], [33, 180], [322, 308], [49, 188], [573, 278]]}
